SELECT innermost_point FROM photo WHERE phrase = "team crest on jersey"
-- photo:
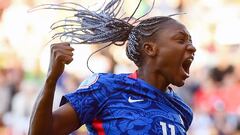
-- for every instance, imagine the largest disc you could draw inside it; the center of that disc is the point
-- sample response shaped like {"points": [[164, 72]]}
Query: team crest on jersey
{"points": [[89, 81]]}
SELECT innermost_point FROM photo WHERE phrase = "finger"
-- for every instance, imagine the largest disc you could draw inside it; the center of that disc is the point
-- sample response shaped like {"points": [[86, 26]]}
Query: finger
{"points": [[65, 46], [64, 59], [56, 52], [69, 60], [62, 43], [65, 52]]}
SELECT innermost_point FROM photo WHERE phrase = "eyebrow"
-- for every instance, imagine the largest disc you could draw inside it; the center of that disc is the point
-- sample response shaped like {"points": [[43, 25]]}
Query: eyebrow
{"points": [[184, 34]]}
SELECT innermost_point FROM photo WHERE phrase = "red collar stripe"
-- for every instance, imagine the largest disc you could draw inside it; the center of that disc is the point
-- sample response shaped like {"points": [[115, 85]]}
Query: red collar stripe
{"points": [[133, 75]]}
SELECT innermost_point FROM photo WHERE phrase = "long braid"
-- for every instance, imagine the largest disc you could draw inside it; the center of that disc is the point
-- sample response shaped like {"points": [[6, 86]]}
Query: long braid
{"points": [[105, 25], [89, 27]]}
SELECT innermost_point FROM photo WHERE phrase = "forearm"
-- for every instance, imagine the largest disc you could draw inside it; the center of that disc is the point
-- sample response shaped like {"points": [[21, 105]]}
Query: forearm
{"points": [[42, 118]]}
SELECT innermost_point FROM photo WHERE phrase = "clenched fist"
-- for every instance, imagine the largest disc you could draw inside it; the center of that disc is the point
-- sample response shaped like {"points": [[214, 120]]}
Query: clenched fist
{"points": [[61, 54]]}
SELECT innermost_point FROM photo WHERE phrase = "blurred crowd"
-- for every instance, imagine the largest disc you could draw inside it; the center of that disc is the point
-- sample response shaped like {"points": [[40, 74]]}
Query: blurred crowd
{"points": [[213, 90]]}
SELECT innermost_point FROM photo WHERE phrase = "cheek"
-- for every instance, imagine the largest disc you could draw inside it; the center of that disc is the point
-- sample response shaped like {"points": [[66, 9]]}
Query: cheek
{"points": [[170, 58], [166, 66], [175, 56], [169, 65]]}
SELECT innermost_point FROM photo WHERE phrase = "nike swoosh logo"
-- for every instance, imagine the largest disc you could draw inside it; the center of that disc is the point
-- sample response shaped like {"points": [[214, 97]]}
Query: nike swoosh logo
{"points": [[130, 100]]}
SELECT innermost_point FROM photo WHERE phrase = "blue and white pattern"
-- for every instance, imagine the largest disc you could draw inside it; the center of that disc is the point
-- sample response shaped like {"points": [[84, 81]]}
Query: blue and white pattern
{"points": [[89, 81], [130, 106]]}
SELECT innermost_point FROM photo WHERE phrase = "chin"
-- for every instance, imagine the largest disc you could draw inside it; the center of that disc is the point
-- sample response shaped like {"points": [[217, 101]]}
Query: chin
{"points": [[179, 83]]}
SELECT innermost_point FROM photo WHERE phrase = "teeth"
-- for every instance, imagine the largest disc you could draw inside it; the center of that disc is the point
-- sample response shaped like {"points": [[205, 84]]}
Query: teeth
{"points": [[186, 65], [190, 59]]}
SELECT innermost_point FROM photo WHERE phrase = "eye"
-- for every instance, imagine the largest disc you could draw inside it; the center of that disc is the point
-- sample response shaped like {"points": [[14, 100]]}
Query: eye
{"points": [[181, 41]]}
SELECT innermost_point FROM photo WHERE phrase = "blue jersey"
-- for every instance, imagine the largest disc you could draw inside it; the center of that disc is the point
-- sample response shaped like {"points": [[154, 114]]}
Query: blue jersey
{"points": [[121, 104]]}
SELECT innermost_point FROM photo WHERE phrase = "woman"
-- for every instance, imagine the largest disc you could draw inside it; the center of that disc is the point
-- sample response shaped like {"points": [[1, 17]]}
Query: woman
{"points": [[137, 103]]}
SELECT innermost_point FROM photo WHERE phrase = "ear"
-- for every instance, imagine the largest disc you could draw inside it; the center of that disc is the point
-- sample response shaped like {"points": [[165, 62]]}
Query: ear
{"points": [[150, 48]]}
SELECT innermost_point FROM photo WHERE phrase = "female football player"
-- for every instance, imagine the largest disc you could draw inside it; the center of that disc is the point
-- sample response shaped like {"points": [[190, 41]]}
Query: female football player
{"points": [[118, 104]]}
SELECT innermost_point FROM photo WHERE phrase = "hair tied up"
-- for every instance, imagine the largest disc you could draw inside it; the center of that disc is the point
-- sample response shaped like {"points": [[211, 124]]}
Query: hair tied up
{"points": [[123, 30], [104, 25], [112, 30]]}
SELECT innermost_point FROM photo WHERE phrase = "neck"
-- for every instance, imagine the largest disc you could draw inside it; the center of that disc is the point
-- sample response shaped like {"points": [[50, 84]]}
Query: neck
{"points": [[153, 78]]}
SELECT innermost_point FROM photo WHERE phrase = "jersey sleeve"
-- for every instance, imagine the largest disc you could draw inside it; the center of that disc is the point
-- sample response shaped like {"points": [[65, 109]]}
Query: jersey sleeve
{"points": [[184, 110], [87, 99]]}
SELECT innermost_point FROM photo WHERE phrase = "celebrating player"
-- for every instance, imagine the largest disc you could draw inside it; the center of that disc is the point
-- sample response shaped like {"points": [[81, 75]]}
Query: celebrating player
{"points": [[118, 104]]}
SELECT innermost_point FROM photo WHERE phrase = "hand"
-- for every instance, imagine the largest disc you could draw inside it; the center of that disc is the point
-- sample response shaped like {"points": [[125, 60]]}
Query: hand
{"points": [[61, 54]]}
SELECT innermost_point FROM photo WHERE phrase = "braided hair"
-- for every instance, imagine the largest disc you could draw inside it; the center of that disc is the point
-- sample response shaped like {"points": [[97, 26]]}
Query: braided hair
{"points": [[105, 25]]}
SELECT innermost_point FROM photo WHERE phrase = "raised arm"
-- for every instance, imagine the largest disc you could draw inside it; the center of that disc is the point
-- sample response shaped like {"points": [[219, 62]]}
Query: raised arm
{"points": [[43, 120]]}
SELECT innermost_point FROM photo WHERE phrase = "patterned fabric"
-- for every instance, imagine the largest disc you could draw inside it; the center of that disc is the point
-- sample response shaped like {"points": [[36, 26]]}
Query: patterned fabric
{"points": [[120, 105]]}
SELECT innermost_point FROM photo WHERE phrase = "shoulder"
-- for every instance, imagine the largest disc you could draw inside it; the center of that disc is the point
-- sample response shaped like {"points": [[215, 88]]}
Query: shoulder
{"points": [[89, 81], [184, 109], [98, 80]]}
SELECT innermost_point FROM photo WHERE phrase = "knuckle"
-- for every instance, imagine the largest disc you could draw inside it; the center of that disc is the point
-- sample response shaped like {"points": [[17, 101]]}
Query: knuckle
{"points": [[66, 43], [53, 47], [69, 60], [54, 52]]}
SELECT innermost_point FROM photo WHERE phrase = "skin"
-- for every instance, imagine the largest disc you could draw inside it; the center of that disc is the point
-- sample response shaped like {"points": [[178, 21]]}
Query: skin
{"points": [[64, 120], [165, 56], [162, 66]]}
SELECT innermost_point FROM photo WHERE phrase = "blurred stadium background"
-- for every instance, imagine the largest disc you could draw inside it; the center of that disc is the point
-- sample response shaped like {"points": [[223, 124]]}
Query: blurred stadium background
{"points": [[213, 90]]}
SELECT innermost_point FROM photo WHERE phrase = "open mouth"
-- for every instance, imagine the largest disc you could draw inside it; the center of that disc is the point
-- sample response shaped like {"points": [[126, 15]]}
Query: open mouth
{"points": [[186, 65]]}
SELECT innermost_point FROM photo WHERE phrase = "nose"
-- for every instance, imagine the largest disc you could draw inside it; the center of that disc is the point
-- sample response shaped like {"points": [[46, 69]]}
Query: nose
{"points": [[191, 48]]}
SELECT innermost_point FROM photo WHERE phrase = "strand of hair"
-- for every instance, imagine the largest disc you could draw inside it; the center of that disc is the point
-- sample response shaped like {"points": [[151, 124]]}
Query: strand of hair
{"points": [[95, 53], [134, 10], [138, 19]]}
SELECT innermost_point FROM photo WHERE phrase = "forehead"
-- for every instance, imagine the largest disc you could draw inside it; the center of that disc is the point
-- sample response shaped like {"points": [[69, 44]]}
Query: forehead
{"points": [[172, 27]]}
